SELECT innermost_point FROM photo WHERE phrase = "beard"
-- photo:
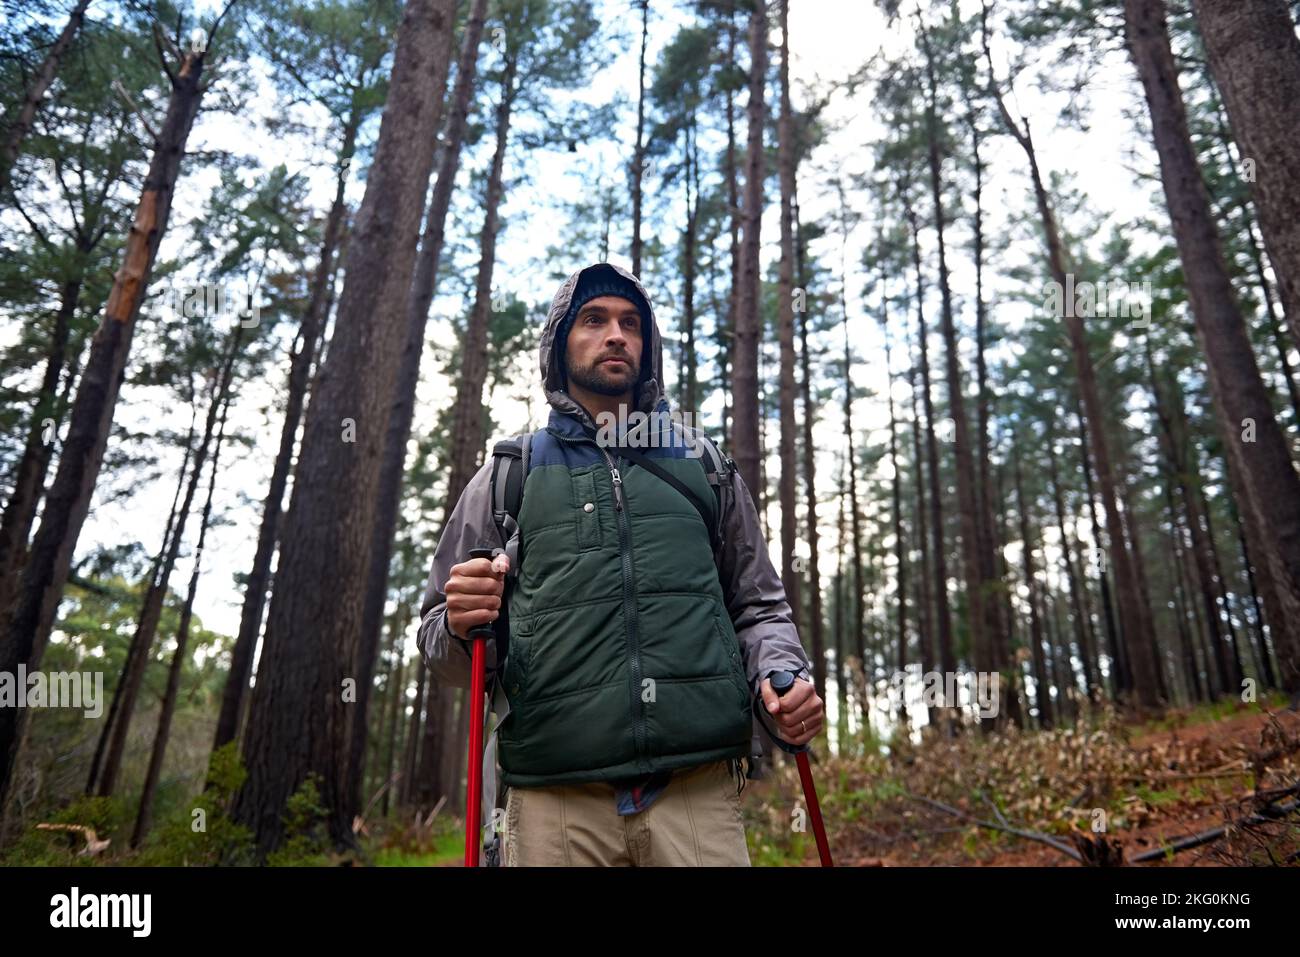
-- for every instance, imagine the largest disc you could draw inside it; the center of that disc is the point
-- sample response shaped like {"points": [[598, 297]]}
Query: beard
{"points": [[602, 379]]}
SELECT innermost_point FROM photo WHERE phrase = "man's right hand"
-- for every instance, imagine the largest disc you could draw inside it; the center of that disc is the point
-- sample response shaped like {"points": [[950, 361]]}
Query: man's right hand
{"points": [[474, 593]]}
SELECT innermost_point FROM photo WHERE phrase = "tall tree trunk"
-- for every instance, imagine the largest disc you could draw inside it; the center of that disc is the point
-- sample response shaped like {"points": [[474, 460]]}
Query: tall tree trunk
{"points": [[925, 614], [300, 712], [29, 475], [1135, 624], [1283, 629], [1255, 57], [429, 781], [35, 93], [900, 551], [841, 639], [1237, 671], [91, 418], [855, 511], [1072, 583], [1132, 519], [786, 152], [1243, 404], [981, 611], [467, 437], [1176, 454], [156, 595], [396, 700], [1042, 689], [947, 656], [1195, 685], [410, 751], [748, 326], [310, 332], [1232, 156], [638, 155], [1119, 673], [173, 521], [727, 335], [1261, 632], [402, 413], [816, 630], [144, 814], [1000, 626], [690, 243]]}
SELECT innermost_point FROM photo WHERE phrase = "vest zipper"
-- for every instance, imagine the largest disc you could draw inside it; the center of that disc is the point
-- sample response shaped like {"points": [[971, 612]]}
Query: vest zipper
{"points": [[629, 593]]}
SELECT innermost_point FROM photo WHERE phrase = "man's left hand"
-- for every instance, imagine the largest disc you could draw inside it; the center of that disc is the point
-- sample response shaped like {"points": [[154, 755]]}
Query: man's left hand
{"points": [[798, 713]]}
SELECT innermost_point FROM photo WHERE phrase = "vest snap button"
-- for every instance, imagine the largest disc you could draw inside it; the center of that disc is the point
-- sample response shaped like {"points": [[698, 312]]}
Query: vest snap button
{"points": [[589, 507]]}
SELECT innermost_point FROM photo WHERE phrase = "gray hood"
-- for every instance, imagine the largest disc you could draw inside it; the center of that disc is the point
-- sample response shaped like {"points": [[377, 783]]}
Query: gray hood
{"points": [[647, 393]]}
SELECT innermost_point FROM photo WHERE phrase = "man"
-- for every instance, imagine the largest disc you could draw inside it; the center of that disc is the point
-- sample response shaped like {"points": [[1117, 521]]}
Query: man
{"points": [[634, 651]]}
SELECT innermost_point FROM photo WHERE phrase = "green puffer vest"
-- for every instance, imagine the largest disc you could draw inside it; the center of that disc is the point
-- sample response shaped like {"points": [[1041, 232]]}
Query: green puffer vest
{"points": [[623, 659]]}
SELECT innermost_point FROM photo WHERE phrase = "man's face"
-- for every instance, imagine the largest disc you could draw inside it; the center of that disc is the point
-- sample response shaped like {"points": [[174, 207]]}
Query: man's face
{"points": [[603, 351]]}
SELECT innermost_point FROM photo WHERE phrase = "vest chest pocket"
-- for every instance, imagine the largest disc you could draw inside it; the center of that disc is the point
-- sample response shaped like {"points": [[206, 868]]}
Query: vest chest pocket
{"points": [[586, 511]]}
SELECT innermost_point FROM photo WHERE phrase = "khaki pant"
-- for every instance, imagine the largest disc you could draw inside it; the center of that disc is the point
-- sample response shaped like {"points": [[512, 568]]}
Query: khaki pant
{"points": [[696, 821]]}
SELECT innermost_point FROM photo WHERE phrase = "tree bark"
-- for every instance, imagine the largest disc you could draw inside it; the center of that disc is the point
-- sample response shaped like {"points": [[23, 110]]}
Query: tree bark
{"points": [[638, 155], [1042, 689], [299, 712], [786, 161], [947, 655], [310, 332], [748, 325], [1254, 55], [727, 334], [1072, 581], [816, 627], [1241, 400], [402, 414]]}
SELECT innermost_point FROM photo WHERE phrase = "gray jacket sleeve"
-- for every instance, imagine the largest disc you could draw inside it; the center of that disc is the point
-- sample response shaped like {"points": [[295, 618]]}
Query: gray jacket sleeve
{"points": [[469, 525], [755, 595]]}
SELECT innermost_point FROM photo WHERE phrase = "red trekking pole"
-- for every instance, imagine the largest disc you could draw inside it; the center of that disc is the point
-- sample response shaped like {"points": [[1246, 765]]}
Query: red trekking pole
{"points": [[479, 635], [783, 681]]}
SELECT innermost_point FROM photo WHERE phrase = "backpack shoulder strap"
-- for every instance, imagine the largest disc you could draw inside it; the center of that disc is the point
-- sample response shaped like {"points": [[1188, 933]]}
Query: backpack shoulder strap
{"points": [[717, 470], [510, 459]]}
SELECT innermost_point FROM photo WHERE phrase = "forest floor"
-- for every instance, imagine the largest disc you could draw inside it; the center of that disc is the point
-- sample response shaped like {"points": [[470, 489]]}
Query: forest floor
{"points": [[1103, 791]]}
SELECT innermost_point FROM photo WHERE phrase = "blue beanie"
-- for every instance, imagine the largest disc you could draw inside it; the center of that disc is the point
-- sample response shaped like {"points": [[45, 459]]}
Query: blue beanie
{"points": [[597, 281]]}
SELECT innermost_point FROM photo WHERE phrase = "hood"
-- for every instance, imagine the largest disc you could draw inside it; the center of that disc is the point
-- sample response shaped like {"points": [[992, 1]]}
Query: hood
{"points": [[647, 394]]}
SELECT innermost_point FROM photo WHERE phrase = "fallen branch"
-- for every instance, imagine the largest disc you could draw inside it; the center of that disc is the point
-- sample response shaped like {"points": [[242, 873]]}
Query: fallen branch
{"points": [[1018, 832], [93, 844], [1270, 813]]}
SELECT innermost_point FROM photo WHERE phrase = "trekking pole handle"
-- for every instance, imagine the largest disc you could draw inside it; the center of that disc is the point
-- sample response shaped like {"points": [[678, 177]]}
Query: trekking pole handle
{"points": [[484, 631], [782, 681]]}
